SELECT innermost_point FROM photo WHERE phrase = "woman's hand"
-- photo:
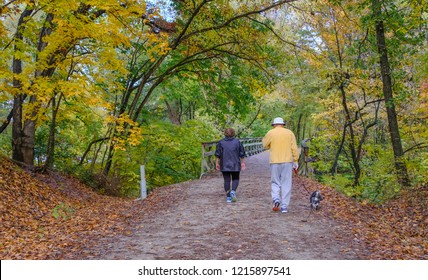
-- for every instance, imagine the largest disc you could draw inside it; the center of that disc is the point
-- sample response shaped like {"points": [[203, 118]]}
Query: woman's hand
{"points": [[242, 165]]}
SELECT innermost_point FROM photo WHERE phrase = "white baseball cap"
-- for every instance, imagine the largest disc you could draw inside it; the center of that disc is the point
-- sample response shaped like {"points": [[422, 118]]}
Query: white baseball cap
{"points": [[278, 121]]}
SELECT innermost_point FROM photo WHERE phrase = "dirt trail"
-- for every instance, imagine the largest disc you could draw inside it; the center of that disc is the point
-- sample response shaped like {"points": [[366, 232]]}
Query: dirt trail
{"points": [[198, 224]]}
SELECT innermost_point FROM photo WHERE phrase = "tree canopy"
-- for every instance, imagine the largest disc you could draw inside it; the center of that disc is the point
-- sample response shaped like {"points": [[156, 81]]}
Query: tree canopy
{"points": [[98, 87]]}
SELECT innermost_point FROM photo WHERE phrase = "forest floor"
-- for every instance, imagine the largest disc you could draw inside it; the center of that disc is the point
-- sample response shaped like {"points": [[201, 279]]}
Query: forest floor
{"points": [[55, 217]]}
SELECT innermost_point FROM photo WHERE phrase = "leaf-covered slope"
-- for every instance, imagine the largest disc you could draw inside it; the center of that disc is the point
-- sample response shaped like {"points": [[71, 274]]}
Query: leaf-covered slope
{"points": [[49, 216], [395, 230]]}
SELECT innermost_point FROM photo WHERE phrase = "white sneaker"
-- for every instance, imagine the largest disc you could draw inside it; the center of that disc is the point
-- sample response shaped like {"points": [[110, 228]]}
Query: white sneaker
{"points": [[233, 196]]}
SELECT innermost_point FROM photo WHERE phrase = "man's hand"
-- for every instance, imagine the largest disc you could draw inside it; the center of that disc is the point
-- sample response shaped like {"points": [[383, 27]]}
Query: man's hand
{"points": [[295, 165]]}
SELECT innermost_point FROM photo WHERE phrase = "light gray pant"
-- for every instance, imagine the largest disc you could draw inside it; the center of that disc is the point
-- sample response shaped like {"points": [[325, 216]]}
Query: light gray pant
{"points": [[281, 178]]}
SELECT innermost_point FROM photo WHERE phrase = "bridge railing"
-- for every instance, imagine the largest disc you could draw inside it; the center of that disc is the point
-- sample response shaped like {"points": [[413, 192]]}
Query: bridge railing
{"points": [[252, 146]]}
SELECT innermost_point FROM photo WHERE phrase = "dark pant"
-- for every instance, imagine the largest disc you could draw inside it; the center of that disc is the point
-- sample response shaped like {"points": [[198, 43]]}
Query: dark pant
{"points": [[230, 176]]}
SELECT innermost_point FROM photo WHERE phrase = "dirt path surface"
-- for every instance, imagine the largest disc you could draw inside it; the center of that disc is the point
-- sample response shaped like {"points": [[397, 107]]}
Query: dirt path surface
{"points": [[197, 223]]}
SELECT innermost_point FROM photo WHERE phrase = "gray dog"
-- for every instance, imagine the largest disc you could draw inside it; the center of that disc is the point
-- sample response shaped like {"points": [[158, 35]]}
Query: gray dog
{"points": [[315, 200]]}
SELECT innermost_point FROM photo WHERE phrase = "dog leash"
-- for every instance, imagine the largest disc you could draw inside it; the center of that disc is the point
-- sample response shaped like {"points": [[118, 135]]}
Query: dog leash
{"points": [[304, 187], [310, 210]]}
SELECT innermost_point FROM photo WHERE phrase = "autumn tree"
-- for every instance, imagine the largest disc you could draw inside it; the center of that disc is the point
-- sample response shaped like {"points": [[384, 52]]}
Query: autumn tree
{"points": [[211, 43], [54, 46], [327, 43], [386, 69], [50, 47], [336, 42]]}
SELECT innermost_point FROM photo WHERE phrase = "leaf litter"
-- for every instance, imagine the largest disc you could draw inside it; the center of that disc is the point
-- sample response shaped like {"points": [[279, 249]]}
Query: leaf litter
{"points": [[53, 216]]}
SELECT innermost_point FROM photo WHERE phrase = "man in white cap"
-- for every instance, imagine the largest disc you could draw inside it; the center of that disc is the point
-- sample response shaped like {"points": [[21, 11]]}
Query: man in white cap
{"points": [[283, 158]]}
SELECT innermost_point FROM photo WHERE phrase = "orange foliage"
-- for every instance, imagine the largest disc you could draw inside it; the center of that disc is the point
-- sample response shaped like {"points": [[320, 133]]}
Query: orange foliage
{"points": [[54, 217]]}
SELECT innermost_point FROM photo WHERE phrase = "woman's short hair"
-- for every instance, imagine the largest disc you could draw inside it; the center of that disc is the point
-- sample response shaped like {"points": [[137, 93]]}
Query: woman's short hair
{"points": [[229, 132]]}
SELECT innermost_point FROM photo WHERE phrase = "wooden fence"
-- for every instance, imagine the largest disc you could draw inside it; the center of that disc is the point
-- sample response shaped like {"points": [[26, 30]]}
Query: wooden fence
{"points": [[252, 146]]}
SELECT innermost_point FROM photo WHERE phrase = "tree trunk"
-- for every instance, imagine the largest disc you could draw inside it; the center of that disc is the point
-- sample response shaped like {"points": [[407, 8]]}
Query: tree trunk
{"points": [[333, 170], [109, 160], [29, 139], [50, 153], [394, 131], [17, 131], [20, 139], [175, 111], [24, 126], [351, 144], [298, 129]]}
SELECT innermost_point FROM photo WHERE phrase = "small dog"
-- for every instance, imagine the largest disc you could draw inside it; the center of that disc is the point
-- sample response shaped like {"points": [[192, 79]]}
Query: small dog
{"points": [[315, 200]]}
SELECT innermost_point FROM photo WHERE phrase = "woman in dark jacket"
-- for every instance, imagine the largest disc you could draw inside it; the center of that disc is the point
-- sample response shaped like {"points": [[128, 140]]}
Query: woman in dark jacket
{"points": [[230, 155]]}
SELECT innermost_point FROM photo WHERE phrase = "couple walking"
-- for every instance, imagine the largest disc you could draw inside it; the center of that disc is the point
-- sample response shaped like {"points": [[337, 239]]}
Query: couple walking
{"points": [[281, 142]]}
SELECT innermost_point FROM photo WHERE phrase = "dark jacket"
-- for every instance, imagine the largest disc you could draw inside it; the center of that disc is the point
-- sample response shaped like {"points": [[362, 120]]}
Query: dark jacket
{"points": [[230, 151]]}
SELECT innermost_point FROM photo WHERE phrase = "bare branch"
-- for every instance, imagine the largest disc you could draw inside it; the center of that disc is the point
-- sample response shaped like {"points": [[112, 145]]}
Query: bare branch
{"points": [[417, 146], [7, 4], [89, 148], [6, 122], [227, 22]]}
